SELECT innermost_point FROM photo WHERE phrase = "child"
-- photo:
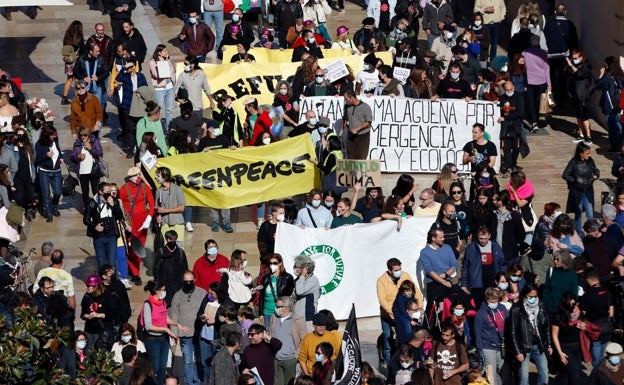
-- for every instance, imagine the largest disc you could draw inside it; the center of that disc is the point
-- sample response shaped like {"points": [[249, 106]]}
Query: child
{"points": [[476, 378]]}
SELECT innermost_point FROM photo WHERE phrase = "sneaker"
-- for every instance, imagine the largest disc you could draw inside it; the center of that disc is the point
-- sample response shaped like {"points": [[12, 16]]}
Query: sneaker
{"points": [[588, 141], [577, 139], [215, 227], [189, 227], [228, 228], [534, 128], [126, 283], [340, 10], [137, 280], [260, 222]]}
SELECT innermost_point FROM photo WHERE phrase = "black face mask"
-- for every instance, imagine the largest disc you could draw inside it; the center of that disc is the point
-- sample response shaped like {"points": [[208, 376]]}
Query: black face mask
{"points": [[38, 125], [172, 244], [186, 116], [106, 196], [188, 286]]}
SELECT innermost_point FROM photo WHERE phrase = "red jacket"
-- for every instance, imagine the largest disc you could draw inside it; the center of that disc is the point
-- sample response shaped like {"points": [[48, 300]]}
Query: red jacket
{"points": [[263, 124], [206, 271], [143, 203]]}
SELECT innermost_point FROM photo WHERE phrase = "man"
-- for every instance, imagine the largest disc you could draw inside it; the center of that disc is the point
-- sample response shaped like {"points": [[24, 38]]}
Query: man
{"points": [[170, 203], [119, 11], [225, 368], [428, 206], [387, 289], [170, 264], [206, 268], [453, 86], [512, 113], [388, 85], [266, 233], [449, 357], [436, 15], [489, 332], [93, 71], [407, 55], [101, 216], [135, 42], [610, 370], [482, 261], [138, 201], [344, 215], [443, 44], [246, 30], [117, 293], [46, 251], [398, 33], [307, 353], [359, 118], [367, 80], [260, 353], [52, 305], [417, 344], [320, 86], [129, 355], [309, 46], [493, 14], [193, 123], [479, 149], [521, 40], [308, 127], [194, 80], [290, 330], [198, 37], [561, 39], [285, 14], [454, 232], [106, 44], [184, 307], [363, 36], [600, 249], [610, 226], [469, 63], [62, 279], [597, 306], [439, 264]]}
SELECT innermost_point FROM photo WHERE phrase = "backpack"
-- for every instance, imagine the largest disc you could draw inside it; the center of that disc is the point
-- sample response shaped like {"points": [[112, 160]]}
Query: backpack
{"points": [[140, 329], [69, 55]]}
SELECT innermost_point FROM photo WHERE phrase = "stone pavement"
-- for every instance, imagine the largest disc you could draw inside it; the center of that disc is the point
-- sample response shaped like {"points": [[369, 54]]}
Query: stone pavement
{"points": [[31, 50]]}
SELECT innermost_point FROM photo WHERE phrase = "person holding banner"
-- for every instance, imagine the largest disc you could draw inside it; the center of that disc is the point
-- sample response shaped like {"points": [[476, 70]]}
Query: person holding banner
{"points": [[229, 123], [453, 86], [314, 215], [256, 123], [359, 118], [242, 54], [388, 85], [170, 204], [367, 80], [320, 86], [289, 103], [343, 214], [332, 152]]}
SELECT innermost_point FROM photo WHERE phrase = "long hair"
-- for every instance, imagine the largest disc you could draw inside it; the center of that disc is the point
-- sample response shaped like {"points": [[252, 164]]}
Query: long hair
{"points": [[45, 136], [564, 311], [157, 51], [421, 86], [308, 67], [369, 201], [25, 141], [4, 176], [150, 144], [73, 34], [488, 207], [614, 69], [179, 141], [516, 68], [141, 370], [391, 204]]}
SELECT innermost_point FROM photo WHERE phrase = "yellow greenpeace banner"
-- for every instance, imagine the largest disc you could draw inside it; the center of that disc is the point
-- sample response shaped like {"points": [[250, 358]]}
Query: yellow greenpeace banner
{"points": [[265, 55], [232, 178]]}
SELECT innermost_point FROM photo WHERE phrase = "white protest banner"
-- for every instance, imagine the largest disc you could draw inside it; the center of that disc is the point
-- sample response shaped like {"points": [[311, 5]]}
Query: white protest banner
{"points": [[416, 135], [336, 70], [401, 74], [348, 260]]}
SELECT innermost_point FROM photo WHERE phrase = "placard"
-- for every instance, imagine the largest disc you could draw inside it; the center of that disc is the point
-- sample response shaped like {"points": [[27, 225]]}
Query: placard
{"points": [[352, 171]]}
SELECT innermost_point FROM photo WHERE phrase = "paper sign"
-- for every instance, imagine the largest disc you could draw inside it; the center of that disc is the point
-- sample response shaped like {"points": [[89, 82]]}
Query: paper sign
{"points": [[401, 74], [336, 70], [148, 160], [351, 171], [163, 69]]}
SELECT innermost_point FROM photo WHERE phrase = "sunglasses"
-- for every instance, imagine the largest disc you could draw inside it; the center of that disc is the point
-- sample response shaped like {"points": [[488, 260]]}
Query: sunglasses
{"points": [[80, 87], [456, 192]]}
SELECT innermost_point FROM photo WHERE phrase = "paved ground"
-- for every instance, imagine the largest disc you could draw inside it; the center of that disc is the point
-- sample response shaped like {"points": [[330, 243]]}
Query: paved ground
{"points": [[31, 50]]}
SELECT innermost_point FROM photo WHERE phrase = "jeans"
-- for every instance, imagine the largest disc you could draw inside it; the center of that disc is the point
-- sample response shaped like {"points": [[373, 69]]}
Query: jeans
{"points": [[540, 361], [188, 213], [122, 262], [47, 180], [207, 351], [214, 215], [386, 330], [106, 250], [614, 128], [583, 206], [217, 17], [164, 98], [261, 210], [493, 357], [189, 348], [493, 28], [158, 351], [267, 320], [597, 351]]}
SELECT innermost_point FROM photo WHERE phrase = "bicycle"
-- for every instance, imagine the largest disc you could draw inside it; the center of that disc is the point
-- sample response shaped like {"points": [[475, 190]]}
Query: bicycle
{"points": [[20, 263]]}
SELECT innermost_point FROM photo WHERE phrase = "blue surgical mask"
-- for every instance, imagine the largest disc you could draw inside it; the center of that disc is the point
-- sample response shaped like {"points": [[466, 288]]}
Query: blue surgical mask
{"points": [[319, 79], [532, 300], [397, 31], [322, 130], [313, 121], [235, 18], [212, 251], [614, 360], [576, 61], [397, 274], [458, 312], [81, 345], [217, 132], [366, 67], [514, 278], [503, 286], [126, 339], [192, 20], [278, 312], [455, 75], [493, 305], [318, 357]]}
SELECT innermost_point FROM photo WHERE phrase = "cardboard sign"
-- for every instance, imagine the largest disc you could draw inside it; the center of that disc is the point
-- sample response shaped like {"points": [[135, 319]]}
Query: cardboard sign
{"points": [[336, 70], [352, 171]]}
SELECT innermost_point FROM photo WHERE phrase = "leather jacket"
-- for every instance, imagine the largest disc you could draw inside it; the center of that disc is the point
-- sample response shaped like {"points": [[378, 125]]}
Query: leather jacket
{"points": [[580, 174], [520, 333], [284, 287]]}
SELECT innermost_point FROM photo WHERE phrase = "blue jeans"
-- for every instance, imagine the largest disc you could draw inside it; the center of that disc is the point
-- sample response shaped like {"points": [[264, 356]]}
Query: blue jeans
{"points": [[106, 250], [493, 28], [164, 98], [217, 17], [597, 351], [267, 320], [122, 262], [188, 349], [386, 329], [261, 210], [158, 351], [188, 213], [47, 180], [540, 361], [583, 206], [614, 128], [207, 352]]}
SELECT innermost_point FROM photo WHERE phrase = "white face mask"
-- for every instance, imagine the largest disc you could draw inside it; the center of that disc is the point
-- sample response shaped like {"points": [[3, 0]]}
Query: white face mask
{"points": [[235, 18], [455, 75], [244, 265], [509, 94], [283, 92], [485, 175], [406, 365], [274, 268], [192, 20], [187, 68], [477, 23], [216, 132], [163, 295], [329, 204], [449, 35], [316, 202], [280, 217], [416, 315], [81, 345], [266, 141]]}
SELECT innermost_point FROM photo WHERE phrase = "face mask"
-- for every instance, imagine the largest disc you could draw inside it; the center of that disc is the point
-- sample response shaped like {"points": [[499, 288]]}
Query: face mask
{"points": [[244, 265], [398, 31], [455, 75], [81, 345], [450, 217], [266, 141], [503, 286], [408, 294], [316, 202], [188, 287], [163, 295], [216, 132], [278, 312], [235, 18], [532, 300], [458, 312], [576, 61], [212, 251], [172, 244], [159, 179], [311, 41], [313, 121], [126, 339], [283, 92], [274, 268], [366, 67], [38, 125], [509, 94], [187, 68], [280, 217], [242, 53], [106, 195], [322, 130], [397, 274], [416, 315], [319, 79], [493, 305], [614, 360], [449, 35], [514, 278], [477, 23], [264, 40], [504, 68], [211, 298], [318, 357], [192, 20], [221, 318], [406, 365], [329, 204], [485, 175]]}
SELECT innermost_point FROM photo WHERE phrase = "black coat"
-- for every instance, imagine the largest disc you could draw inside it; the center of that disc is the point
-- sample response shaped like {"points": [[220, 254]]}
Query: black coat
{"points": [[284, 287], [580, 178], [513, 235], [101, 71], [520, 331], [169, 267]]}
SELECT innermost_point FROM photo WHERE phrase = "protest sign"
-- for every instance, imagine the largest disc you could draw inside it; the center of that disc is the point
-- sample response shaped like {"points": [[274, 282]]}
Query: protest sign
{"points": [[352, 171], [336, 70]]}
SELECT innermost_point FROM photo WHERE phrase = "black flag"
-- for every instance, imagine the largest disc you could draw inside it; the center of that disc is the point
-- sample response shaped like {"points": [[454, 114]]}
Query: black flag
{"points": [[349, 361]]}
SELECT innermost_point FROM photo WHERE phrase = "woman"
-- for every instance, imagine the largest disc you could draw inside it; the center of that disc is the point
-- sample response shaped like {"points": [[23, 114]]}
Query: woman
{"points": [[229, 122], [86, 153], [130, 79], [454, 231], [267, 40], [610, 82], [48, 160], [304, 75], [74, 354], [483, 212], [85, 110], [509, 231], [502, 283], [147, 145], [516, 280], [482, 34], [580, 90], [97, 309], [236, 282], [463, 208], [538, 79], [317, 11], [369, 206], [126, 336], [518, 75], [394, 210], [24, 179], [484, 179], [314, 214], [568, 324], [163, 77], [458, 319], [442, 185], [486, 90], [156, 321], [73, 37], [142, 372], [559, 279], [8, 233], [7, 110], [564, 236], [407, 292], [242, 54], [490, 331], [330, 199], [418, 85], [538, 261], [290, 105], [323, 368], [307, 289], [332, 152], [405, 188], [180, 143], [521, 192], [343, 41], [276, 284], [151, 123]]}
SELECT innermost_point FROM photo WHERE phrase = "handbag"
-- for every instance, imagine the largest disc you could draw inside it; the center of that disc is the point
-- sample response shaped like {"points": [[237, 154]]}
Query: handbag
{"points": [[69, 183], [100, 169], [544, 104], [15, 215]]}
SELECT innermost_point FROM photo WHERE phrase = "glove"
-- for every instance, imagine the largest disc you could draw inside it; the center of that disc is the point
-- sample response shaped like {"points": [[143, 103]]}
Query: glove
{"points": [[146, 224]]}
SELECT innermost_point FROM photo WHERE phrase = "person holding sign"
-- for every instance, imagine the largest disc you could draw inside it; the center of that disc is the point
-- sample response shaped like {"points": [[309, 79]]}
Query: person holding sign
{"points": [[388, 85], [163, 77], [229, 122], [359, 118], [454, 86], [320, 86], [479, 149]]}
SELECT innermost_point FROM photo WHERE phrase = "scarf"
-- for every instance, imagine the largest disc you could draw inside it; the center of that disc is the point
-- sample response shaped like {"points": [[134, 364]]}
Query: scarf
{"points": [[532, 312], [524, 191], [501, 218], [83, 99]]}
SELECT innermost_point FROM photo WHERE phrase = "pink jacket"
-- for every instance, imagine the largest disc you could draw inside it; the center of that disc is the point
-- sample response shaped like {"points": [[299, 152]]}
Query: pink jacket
{"points": [[158, 82]]}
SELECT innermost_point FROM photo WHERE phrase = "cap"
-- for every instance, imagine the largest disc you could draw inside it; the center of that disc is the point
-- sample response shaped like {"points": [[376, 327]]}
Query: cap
{"points": [[234, 28], [613, 348], [449, 28], [370, 59], [368, 21], [308, 23], [430, 54], [324, 121], [93, 280], [266, 32], [210, 123], [342, 30], [319, 320], [251, 100], [133, 171]]}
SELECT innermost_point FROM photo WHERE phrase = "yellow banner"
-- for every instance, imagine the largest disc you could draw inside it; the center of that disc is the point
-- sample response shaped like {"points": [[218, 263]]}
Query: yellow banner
{"points": [[232, 178], [265, 55]]}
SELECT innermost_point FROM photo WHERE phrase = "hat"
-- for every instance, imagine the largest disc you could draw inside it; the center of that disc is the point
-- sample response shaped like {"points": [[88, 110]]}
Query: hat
{"points": [[319, 320], [342, 30], [368, 21], [234, 28], [613, 348], [308, 23], [210, 123], [324, 121], [251, 101], [499, 62], [93, 280], [370, 59], [133, 171], [266, 32], [449, 28], [430, 54]]}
